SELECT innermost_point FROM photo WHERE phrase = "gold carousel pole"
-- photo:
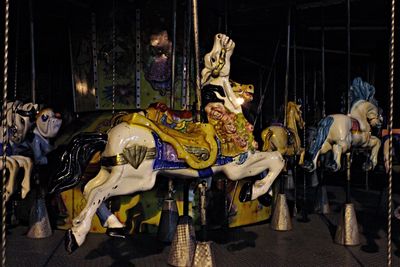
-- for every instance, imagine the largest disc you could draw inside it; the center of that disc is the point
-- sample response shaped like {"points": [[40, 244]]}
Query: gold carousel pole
{"points": [[197, 59], [5, 139], [390, 128]]}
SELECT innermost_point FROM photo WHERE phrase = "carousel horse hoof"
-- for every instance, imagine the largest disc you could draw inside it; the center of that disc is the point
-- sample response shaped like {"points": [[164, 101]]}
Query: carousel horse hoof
{"points": [[332, 167], [70, 242], [265, 200], [367, 166], [246, 192], [308, 166], [116, 232]]}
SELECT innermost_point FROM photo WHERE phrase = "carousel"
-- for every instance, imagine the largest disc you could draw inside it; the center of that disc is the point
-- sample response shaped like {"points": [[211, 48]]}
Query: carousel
{"points": [[186, 133]]}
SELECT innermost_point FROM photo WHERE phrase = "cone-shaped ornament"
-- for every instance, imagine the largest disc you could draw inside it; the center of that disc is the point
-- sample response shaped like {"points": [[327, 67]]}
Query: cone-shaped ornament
{"points": [[347, 231], [281, 220], [39, 220], [183, 244], [168, 221], [203, 256]]}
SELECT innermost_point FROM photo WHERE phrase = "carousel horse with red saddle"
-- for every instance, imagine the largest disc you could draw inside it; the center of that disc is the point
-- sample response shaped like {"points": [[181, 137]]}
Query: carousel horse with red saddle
{"points": [[138, 148], [339, 132]]}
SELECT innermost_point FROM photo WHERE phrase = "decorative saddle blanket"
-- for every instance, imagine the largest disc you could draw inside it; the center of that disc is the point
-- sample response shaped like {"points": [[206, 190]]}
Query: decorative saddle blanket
{"points": [[197, 146], [167, 158]]}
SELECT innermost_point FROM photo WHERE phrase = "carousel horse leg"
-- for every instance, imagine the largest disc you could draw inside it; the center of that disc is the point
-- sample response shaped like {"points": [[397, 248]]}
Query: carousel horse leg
{"points": [[13, 167], [375, 144], [257, 164], [337, 150], [27, 164], [114, 227], [119, 182]]}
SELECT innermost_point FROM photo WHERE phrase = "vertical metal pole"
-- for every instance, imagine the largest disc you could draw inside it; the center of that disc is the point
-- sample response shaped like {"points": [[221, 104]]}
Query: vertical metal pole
{"points": [[94, 56], [172, 97], [226, 14], [260, 84], [348, 163], [304, 209], [390, 128], [294, 64], [274, 95], [287, 64], [71, 60], [348, 56], [197, 58], [315, 92], [323, 59], [113, 58], [33, 69], [137, 61], [185, 69], [16, 52], [5, 138], [188, 52]]}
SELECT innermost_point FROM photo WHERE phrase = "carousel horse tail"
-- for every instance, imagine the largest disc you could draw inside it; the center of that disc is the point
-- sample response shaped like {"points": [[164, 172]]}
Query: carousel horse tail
{"points": [[74, 160], [266, 136], [322, 133]]}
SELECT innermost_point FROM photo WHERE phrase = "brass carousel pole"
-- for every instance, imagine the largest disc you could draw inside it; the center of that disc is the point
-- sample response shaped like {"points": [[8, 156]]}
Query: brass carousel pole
{"points": [[5, 139], [197, 59], [281, 220], [169, 214], [390, 128], [347, 231], [183, 244]]}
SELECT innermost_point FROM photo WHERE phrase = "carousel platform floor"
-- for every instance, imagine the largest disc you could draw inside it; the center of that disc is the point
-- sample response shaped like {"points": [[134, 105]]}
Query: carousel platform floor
{"points": [[308, 244]]}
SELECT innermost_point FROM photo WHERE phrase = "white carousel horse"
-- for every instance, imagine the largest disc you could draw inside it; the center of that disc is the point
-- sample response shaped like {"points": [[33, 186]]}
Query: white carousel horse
{"points": [[137, 149], [340, 132], [19, 121]]}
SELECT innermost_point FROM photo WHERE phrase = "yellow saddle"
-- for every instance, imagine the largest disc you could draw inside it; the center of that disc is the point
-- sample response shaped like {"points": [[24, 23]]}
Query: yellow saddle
{"points": [[197, 146]]}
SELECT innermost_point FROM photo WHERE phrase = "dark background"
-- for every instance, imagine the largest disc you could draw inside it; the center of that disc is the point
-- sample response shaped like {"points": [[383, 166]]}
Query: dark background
{"points": [[255, 26]]}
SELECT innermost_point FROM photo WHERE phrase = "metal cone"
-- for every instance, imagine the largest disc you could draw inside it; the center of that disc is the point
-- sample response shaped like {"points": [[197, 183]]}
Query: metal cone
{"points": [[168, 221], [289, 185], [347, 231], [39, 220], [203, 257], [281, 220], [183, 244]]}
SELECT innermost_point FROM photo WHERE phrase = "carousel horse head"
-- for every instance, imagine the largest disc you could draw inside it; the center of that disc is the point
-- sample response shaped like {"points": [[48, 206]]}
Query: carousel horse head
{"points": [[217, 61], [48, 123], [294, 113], [363, 104], [20, 118], [244, 91]]}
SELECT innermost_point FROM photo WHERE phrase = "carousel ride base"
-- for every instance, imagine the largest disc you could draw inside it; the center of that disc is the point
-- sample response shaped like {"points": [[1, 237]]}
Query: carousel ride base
{"points": [[308, 244]]}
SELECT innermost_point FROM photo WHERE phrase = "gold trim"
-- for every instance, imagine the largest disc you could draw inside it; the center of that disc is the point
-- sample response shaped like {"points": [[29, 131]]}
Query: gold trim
{"points": [[121, 158]]}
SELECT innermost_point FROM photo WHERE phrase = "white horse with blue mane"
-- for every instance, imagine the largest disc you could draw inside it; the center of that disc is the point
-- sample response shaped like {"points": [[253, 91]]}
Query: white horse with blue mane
{"points": [[339, 132], [138, 149]]}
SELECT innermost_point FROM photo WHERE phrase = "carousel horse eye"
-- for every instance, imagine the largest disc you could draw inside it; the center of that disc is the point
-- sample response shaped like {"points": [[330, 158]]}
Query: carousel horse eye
{"points": [[213, 60], [22, 120], [45, 117]]}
